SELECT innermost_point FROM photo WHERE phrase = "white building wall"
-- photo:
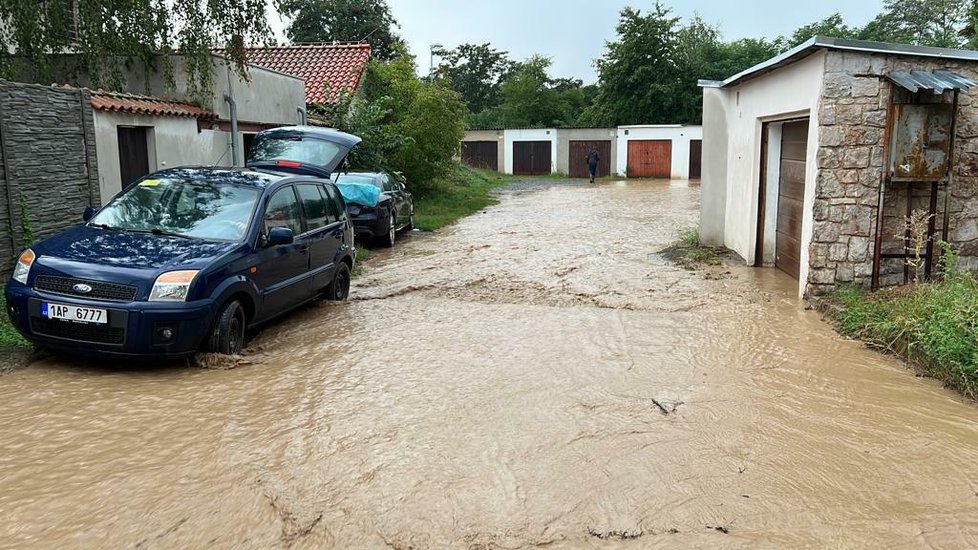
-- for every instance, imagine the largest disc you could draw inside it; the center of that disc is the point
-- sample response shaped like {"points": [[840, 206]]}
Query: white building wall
{"points": [[511, 136], [172, 141], [678, 134], [736, 115]]}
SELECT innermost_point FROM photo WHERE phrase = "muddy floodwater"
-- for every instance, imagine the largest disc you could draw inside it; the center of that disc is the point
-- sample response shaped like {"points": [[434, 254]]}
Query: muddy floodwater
{"points": [[536, 375]]}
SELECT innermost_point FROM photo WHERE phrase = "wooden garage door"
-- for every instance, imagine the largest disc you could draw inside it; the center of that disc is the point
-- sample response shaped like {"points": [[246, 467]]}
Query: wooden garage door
{"points": [[578, 158], [481, 154], [531, 158], [695, 159], [650, 158], [791, 196]]}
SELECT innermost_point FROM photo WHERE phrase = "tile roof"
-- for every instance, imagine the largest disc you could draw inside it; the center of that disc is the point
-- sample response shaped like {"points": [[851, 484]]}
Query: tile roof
{"points": [[327, 68], [145, 105]]}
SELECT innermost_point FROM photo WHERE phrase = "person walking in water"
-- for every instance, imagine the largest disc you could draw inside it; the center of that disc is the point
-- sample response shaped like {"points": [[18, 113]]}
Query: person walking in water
{"points": [[592, 163]]}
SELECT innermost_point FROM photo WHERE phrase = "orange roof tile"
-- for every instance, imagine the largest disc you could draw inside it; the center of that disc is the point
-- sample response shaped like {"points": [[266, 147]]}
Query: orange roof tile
{"points": [[145, 105], [328, 69]]}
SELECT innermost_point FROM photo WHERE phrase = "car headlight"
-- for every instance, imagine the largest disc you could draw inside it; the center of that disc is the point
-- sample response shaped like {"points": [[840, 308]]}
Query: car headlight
{"points": [[173, 286], [23, 267]]}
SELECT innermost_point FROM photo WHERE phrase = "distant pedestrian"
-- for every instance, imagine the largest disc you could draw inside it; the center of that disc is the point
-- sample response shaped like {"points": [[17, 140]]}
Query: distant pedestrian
{"points": [[593, 158]]}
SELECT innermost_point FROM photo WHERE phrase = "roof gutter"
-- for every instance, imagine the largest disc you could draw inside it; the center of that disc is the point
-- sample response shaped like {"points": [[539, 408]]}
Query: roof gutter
{"points": [[816, 43]]}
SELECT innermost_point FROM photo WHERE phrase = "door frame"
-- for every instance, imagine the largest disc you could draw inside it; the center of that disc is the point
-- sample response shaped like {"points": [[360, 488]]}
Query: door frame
{"points": [[761, 208]]}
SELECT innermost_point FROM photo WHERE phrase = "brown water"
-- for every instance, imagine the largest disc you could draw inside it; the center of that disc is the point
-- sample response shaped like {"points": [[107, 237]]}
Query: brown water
{"points": [[493, 386]]}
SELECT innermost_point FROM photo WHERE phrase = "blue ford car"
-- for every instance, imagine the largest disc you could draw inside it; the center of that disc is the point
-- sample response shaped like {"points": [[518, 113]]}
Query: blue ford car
{"points": [[187, 258]]}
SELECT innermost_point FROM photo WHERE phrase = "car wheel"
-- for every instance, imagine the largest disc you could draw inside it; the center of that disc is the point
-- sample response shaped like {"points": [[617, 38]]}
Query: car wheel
{"points": [[388, 239], [410, 223], [339, 288], [228, 332]]}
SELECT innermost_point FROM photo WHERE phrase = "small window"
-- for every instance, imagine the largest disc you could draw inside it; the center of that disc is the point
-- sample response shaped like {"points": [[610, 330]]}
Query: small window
{"points": [[313, 206], [283, 211], [337, 200], [388, 185]]}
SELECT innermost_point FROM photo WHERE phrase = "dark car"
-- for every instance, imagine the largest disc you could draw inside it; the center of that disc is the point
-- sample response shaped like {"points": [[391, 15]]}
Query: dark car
{"points": [[187, 258], [394, 210]]}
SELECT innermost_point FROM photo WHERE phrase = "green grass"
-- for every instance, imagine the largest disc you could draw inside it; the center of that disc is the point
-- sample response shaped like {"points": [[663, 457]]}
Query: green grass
{"points": [[9, 337], [933, 325], [464, 191], [689, 253], [362, 255]]}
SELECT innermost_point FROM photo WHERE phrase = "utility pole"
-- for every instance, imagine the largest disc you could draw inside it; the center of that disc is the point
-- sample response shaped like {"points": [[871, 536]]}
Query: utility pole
{"points": [[431, 59]]}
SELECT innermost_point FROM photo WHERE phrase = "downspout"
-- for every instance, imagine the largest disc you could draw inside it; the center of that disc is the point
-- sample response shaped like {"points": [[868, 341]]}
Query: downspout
{"points": [[234, 128], [302, 116]]}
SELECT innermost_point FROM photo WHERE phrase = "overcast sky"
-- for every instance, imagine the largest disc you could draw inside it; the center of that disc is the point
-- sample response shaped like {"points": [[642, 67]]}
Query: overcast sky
{"points": [[573, 32]]}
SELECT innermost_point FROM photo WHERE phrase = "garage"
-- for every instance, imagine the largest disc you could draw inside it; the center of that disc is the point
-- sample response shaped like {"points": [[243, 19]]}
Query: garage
{"points": [[650, 158], [532, 158], [577, 160], [481, 154], [791, 197]]}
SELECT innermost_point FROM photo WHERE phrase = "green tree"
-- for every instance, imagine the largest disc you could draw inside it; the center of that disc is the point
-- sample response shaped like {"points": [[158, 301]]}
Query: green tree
{"points": [[106, 35], [343, 21], [409, 125], [475, 71], [921, 22], [637, 73], [832, 25], [524, 95]]}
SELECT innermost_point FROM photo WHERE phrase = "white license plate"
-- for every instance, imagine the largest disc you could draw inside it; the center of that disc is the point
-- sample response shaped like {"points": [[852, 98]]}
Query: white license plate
{"points": [[64, 312]]}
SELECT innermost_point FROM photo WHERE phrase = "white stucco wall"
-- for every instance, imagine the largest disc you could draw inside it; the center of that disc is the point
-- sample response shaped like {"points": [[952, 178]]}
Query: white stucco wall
{"points": [[510, 136], [173, 141], [678, 134], [735, 115]]}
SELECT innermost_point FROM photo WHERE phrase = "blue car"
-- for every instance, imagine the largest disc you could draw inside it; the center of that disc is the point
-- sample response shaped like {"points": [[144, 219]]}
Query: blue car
{"points": [[187, 258]]}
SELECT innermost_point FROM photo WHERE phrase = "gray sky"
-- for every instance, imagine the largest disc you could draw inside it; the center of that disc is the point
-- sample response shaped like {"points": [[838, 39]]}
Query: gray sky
{"points": [[573, 32]]}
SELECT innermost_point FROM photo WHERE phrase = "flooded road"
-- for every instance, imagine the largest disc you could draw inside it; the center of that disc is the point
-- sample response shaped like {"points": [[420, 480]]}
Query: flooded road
{"points": [[536, 375]]}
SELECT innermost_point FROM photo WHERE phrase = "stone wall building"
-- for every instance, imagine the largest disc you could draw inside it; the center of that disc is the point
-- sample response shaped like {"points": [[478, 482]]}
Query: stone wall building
{"points": [[799, 152]]}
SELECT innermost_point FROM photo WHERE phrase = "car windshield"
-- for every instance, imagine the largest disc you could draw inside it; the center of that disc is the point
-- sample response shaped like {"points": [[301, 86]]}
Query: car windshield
{"points": [[191, 208], [296, 149], [359, 178]]}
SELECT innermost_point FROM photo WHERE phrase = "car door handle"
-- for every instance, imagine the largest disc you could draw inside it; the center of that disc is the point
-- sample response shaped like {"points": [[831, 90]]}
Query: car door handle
{"points": [[303, 249]]}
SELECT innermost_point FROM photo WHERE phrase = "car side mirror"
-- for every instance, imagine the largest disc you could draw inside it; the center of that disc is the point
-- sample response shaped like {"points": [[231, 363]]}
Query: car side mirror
{"points": [[88, 214], [280, 235]]}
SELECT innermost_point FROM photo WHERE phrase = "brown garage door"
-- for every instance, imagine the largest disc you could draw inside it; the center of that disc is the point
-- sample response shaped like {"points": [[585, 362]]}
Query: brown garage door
{"points": [[481, 154], [791, 196], [650, 158], [578, 158], [695, 158], [531, 158]]}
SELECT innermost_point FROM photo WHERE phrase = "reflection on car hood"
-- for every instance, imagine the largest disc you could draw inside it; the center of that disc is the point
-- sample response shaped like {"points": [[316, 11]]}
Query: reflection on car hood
{"points": [[109, 247]]}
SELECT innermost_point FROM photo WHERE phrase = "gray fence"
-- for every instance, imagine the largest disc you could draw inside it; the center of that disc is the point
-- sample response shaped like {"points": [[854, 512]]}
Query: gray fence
{"points": [[48, 168]]}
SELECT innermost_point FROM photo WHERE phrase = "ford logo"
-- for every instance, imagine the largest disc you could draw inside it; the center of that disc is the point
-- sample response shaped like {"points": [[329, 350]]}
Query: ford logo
{"points": [[82, 288]]}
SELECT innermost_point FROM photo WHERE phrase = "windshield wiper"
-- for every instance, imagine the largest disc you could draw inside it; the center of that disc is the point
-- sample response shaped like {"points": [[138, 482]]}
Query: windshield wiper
{"points": [[165, 233], [107, 226]]}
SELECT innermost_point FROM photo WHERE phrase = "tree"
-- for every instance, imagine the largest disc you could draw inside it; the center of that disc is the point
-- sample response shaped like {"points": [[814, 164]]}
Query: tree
{"points": [[832, 25], [921, 22], [409, 125], [475, 71], [637, 73], [344, 21], [106, 34]]}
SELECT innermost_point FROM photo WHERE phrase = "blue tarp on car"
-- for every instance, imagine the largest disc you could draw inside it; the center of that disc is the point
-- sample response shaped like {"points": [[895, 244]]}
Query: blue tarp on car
{"points": [[363, 194]]}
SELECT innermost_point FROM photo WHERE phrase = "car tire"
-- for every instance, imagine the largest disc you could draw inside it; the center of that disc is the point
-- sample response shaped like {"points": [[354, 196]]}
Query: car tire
{"points": [[388, 240], [410, 223], [228, 333], [339, 288]]}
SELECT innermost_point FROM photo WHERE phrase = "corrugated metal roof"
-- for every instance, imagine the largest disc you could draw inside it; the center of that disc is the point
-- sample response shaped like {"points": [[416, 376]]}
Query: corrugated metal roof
{"points": [[936, 81], [822, 42]]}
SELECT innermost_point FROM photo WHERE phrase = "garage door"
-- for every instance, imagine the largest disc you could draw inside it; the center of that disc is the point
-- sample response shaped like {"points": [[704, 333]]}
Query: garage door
{"points": [[531, 158], [481, 154], [791, 196], [578, 158], [650, 158], [695, 158]]}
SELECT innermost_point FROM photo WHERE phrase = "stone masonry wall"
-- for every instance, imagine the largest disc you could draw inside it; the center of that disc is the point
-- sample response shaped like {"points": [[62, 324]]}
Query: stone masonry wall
{"points": [[852, 120], [47, 159]]}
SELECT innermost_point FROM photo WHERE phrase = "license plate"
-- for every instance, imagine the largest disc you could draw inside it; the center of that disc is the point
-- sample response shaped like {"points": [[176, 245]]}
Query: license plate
{"points": [[64, 312]]}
